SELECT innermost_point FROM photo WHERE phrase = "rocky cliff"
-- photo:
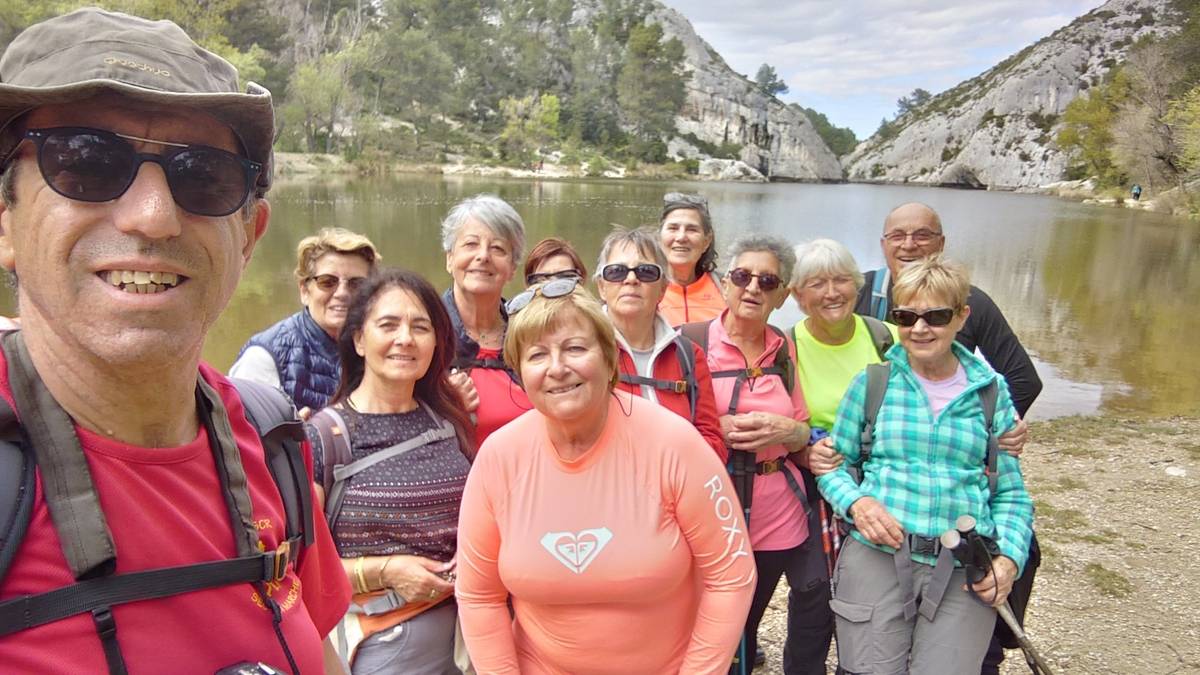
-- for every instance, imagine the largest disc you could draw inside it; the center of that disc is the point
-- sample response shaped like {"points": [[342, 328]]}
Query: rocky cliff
{"points": [[725, 107], [997, 129]]}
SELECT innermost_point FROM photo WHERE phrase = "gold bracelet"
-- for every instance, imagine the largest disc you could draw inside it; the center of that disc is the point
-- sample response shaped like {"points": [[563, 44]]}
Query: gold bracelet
{"points": [[358, 575], [383, 567]]}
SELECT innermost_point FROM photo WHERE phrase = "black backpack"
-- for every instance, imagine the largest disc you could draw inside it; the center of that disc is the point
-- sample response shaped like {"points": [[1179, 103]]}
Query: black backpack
{"points": [[781, 365], [87, 543], [687, 382]]}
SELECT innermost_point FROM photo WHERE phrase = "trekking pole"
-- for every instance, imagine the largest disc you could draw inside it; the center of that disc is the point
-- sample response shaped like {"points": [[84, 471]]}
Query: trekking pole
{"points": [[971, 549]]}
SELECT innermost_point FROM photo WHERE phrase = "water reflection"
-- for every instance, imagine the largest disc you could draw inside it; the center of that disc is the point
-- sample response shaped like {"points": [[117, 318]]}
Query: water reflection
{"points": [[1101, 296]]}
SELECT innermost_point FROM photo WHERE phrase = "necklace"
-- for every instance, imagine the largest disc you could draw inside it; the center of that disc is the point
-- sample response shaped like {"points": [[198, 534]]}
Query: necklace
{"points": [[485, 336]]}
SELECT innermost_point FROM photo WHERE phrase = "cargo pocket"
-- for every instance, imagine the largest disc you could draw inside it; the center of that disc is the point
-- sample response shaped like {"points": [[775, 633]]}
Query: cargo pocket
{"points": [[854, 638]]}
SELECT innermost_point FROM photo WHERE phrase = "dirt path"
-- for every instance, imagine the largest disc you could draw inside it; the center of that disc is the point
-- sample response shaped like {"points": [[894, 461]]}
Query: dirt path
{"points": [[1119, 587]]}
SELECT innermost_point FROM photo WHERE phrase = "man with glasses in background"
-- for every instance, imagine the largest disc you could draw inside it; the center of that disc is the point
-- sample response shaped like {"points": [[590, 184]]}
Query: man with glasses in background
{"points": [[299, 353], [132, 196], [912, 232]]}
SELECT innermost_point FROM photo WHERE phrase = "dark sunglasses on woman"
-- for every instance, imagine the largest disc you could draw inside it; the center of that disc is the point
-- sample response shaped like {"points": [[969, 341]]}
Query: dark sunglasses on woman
{"points": [[330, 282], [766, 282], [940, 316], [555, 288], [616, 273], [93, 165], [541, 277]]}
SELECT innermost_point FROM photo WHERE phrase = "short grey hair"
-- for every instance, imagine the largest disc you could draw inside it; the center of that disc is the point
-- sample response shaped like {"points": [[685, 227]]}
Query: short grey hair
{"points": [[824, 256], [755, 243], [496, 214], [643, 239]]}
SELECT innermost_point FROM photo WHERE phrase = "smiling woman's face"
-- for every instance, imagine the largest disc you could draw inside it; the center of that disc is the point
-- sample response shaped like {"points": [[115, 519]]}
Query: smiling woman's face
{"points": [[481, 261], [565, 373], [752, 303]]}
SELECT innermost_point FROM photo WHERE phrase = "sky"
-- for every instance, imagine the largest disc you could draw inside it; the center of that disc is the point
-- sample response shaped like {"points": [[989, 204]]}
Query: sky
{"points": [[852, 59]]}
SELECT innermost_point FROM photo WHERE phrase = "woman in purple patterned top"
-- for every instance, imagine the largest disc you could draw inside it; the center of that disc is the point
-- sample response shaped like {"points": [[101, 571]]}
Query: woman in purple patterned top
{"points": [[395, 516]]}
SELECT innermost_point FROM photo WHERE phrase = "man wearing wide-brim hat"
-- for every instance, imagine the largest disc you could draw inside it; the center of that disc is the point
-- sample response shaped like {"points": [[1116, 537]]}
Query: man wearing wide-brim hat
{"points": [[133, 189]]}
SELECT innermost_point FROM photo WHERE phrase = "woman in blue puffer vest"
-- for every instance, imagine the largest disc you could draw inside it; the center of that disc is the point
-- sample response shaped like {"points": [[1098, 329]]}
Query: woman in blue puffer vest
{"points": [[299, 354]]}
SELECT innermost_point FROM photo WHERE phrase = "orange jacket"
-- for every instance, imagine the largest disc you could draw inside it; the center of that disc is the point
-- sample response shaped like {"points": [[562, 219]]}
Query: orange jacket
{"points": [[700, 300]]}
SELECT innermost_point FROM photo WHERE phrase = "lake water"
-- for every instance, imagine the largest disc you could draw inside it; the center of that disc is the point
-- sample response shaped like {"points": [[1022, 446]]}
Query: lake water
{"points": [[1102, 297]]}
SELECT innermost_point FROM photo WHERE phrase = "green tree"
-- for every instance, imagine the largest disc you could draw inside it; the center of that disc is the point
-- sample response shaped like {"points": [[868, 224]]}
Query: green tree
{"points": [[530, 123], [768, 81], [651, 86], [1087, 130], [840, 140], [1184, 115], [907, 104]]}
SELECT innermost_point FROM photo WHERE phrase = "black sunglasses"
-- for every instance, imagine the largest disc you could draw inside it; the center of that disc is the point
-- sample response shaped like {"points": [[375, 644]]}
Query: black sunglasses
{"points": [[93, 165], [934, 317], [540, 277], [766, 282], [555, 288], [618, 272], [330, 282]]}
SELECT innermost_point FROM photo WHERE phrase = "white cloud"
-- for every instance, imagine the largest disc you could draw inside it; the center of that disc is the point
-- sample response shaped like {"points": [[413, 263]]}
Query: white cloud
{"points": [[857, 57]]}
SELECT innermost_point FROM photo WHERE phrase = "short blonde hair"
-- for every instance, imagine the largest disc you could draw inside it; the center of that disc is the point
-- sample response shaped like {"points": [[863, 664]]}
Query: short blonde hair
{"points": [[544, 314], [333, 240], [934, 276]]}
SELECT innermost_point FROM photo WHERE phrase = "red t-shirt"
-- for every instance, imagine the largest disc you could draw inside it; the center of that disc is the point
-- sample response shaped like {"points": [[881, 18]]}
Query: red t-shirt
{"points": [[164, 507], [501, 400]]}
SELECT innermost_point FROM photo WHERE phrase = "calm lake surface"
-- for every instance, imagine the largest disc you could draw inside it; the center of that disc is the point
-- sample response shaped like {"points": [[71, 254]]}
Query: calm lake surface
{"points": [[1104, 298]]}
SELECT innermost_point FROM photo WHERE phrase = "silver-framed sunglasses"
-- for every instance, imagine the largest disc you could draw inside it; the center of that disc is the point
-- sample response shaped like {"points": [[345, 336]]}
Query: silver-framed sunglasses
{"points": [[555, 288]]}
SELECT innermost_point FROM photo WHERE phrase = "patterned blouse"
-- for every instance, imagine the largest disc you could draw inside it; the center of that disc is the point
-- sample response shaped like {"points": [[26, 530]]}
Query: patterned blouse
{"points": [[406, 504]]}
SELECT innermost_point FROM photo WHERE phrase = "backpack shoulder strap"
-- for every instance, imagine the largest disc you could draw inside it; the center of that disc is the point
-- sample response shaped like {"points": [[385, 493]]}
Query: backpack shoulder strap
{"points": [[696, 332], [273, 415], [335, 443], [687, 369], [881, 337], [988, 396], [783, 360], [16, 486], [877, 382], [879, 293]]}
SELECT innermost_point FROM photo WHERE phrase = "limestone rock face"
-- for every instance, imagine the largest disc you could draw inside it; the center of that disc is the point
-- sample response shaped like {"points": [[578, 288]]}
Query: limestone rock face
{"points": [[997, 129], [722, 106]]}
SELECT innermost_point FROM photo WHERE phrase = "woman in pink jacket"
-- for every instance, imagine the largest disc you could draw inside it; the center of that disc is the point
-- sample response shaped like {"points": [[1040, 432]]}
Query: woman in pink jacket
{"points": [[605, 519]]}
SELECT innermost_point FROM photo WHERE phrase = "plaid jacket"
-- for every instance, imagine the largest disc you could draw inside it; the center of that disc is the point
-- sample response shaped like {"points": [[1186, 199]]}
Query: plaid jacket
{"points": [[928, 472]]}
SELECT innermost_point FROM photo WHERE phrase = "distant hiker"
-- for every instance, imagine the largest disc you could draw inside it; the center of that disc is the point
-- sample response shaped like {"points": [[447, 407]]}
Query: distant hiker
{"points": [[911, 232], [553, 258], [655, 360], [764, 417], [483, 237], [918, 430], [390, 454], [598, 532], [686, 234], [162, 532], [299, 353], [1136, 192]]}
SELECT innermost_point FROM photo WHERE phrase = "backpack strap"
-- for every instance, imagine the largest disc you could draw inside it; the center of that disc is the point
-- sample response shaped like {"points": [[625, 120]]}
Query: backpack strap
{"points": [[687, 366], [781, 365], [877, 382], [988, 396], [273, 415], [337, 451], [879, 293], [697, 332], [881, 337], [16, 486]]}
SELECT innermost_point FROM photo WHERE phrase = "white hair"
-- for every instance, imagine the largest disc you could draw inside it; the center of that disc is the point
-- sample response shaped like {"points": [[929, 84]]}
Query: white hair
{"points": [[824, 257], [498, 215]]}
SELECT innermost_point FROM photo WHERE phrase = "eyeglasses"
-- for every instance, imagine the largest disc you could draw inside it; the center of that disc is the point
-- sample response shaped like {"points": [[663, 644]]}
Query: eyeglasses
{"points": [[766, 282], [540, 277], [919, 237], [555, 288], [618, 272], [92, 165], [330, 282], [940, 316]]}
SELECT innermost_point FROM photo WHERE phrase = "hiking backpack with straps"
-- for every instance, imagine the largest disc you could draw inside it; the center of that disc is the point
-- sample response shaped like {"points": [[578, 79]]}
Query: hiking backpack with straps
{"points": [[686, 384], [877, 383], [45, 438]]}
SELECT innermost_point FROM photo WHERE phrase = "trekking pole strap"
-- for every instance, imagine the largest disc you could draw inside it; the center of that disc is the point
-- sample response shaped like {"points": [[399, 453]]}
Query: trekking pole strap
{"points": [[91, 595]]}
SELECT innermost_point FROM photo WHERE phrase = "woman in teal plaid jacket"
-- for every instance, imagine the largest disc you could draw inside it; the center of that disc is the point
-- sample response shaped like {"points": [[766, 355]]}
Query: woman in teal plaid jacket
{"points": [[900, 604]]}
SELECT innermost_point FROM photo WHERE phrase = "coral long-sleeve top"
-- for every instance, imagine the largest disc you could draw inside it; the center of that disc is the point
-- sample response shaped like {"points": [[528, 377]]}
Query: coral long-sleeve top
{"points": [[632, 558]]}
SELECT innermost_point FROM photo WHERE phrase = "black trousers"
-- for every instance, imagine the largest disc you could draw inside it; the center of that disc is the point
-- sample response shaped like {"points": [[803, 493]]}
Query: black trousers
{"points": [[809, 618], [1019, 599]]}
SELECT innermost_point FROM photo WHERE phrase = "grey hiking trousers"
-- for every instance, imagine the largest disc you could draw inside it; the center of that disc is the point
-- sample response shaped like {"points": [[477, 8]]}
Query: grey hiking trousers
{"points": [[873, 637]]}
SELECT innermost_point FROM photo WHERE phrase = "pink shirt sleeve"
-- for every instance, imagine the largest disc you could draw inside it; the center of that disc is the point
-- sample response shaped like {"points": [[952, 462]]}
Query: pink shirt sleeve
{"points": [[710, 517], [482, 597]]}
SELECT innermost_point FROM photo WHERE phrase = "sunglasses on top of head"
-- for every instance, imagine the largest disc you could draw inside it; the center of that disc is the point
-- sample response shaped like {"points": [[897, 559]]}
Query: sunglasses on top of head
{"points": [[540, 277], [647, 273], [93, 165], [555, 288], [940, 316], [766, 282]]}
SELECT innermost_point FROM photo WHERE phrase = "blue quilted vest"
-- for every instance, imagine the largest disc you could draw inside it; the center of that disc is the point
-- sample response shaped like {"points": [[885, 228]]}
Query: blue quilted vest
{"points": [[305, 356]]}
